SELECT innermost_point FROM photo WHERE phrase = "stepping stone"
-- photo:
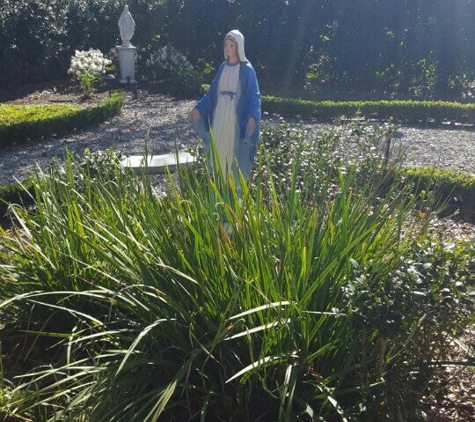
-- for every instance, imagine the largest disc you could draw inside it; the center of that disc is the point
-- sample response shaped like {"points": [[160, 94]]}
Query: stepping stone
{"points": [[158, 163]]}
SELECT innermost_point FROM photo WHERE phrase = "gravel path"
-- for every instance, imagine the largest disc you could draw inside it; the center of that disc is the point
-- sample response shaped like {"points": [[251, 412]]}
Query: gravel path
{"points": [[451, 148], [164, 121]]}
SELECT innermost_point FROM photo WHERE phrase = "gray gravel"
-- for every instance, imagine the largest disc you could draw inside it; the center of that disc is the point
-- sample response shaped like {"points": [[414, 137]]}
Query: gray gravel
{"points": [[159, 119], [163, 121], [451, 148]]}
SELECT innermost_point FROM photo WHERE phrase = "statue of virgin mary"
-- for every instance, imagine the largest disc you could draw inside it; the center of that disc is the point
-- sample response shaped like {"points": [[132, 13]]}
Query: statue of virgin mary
{"points": [[126, 26]]}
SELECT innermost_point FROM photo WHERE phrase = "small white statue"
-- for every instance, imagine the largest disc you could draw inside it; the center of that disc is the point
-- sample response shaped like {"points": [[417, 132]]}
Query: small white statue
{"points": [[127, 27]]}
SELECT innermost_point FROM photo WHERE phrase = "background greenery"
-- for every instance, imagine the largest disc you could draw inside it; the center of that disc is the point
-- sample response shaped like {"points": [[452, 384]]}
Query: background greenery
{"points": [[362, 48]]}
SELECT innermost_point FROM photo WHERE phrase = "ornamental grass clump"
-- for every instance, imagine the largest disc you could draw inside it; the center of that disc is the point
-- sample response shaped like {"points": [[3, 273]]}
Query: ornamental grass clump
{"points": [[86, 67], [206, 304]]}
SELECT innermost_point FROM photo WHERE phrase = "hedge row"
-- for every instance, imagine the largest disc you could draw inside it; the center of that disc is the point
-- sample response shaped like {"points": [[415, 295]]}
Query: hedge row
{"points": [[17, 114], [15, 194], [455, 189], [36, 122], [398, 111]]}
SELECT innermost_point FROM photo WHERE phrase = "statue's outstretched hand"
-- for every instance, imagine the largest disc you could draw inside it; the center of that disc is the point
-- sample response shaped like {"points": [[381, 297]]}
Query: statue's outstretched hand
{"points": [[194, 115], [251, 125]]}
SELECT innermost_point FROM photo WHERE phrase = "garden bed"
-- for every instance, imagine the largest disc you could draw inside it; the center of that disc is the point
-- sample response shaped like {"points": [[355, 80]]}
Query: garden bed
{"points": [[455, 399]]}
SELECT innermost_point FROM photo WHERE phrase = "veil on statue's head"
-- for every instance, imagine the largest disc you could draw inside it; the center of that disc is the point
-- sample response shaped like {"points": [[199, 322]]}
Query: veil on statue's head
{"points": [[238, 38]]}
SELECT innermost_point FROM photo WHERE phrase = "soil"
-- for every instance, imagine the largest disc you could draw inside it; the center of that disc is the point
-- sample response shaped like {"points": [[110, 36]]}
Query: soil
{"points": [[51, 93]]}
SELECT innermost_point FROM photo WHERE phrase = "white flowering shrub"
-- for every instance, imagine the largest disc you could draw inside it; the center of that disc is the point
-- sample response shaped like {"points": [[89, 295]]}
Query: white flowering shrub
{"points": [[164, 62], [169, 58], [160, 63], [113, 56], [86, 67]]}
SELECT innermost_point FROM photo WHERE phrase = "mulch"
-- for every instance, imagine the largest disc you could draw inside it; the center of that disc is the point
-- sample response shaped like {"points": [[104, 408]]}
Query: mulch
{"points": [[63, 91]]}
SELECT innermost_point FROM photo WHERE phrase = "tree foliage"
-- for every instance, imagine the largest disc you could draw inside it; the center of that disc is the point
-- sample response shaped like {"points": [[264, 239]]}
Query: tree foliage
{"points": [[411, 48], [38, 38]]}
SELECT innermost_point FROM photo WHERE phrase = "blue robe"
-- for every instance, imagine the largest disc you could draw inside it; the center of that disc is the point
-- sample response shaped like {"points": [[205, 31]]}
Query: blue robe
{"points": [[249, 105]]}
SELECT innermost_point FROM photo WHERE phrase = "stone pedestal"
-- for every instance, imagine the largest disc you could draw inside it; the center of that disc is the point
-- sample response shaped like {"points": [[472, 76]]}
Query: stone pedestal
{"points": [[127, 64]]}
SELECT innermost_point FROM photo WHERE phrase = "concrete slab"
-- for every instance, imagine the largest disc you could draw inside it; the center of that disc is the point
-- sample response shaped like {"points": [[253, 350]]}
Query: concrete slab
{"points": [[158, 163]]}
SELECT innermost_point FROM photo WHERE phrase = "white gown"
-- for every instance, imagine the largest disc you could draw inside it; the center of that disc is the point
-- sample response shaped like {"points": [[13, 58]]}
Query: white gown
{"points": [[225, 125]]}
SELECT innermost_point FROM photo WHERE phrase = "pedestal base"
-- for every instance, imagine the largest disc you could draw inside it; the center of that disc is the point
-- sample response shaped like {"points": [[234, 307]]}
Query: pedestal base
{"points": [[127, 64]]}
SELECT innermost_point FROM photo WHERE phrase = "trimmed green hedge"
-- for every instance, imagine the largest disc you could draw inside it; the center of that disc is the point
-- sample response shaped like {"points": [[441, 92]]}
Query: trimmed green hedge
{"points": [[15, 194], [456, 188], [34, 122], [19, 123], [395, 110], [399, 111]]}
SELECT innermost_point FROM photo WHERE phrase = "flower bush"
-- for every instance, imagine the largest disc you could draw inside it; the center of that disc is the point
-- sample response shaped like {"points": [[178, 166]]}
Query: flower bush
{"points": [[169, 60], [164, 62], [86, 67]]}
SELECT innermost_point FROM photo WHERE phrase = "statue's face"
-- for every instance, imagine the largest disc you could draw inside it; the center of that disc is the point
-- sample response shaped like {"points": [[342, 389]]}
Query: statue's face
{"points": [[230, 49]]}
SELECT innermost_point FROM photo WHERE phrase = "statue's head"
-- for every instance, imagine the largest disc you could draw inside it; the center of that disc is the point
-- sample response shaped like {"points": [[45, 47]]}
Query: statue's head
{"points": [[238, 38]]}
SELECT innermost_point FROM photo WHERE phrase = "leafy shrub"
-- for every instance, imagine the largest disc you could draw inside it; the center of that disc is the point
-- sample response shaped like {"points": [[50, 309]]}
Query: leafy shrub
{"points": [[165, 65], [433, 278], [34, 122], [321, 156], [397, 111]]}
